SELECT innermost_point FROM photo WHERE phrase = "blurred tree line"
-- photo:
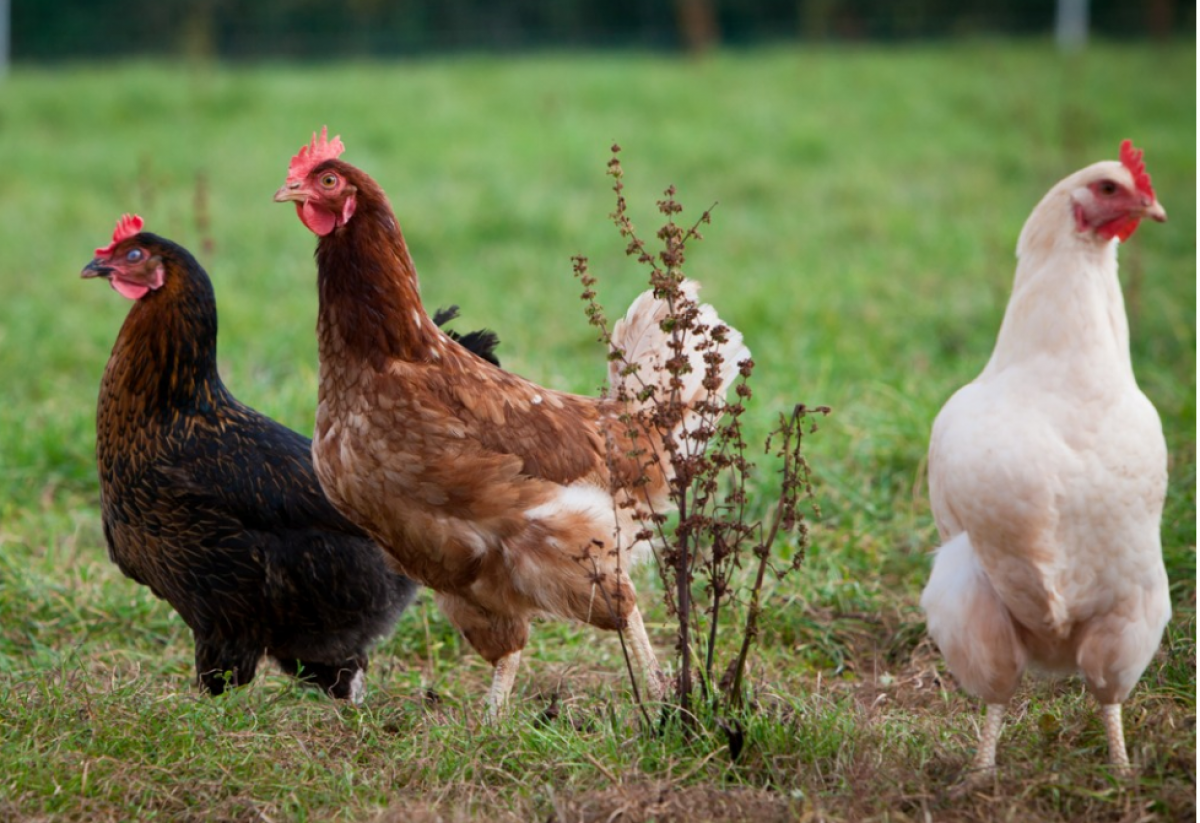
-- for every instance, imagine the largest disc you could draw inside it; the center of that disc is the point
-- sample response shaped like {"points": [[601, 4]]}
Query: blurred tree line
{"points": [[317, 29]]}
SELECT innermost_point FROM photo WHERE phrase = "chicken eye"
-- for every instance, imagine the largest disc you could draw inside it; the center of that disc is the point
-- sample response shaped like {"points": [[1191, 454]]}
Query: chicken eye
{"points": [[1108, 188], [134, 255], [329, 180]]}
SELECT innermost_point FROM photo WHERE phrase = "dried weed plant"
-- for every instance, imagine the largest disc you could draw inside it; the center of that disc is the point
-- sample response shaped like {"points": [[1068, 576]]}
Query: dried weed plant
{"points": [[714, 556]]}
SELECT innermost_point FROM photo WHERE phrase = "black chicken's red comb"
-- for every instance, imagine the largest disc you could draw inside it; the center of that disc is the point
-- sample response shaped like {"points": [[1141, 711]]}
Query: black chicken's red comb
{"points": [[127, 226]]}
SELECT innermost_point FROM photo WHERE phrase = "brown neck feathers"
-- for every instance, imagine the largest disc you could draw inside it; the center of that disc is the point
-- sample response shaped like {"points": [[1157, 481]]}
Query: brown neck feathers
{"points": [[370, 298]]}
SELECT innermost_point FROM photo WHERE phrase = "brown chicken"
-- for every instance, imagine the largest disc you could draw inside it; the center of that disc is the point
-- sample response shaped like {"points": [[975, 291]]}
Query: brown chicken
{"points": [[214, 506], [495, 492]]}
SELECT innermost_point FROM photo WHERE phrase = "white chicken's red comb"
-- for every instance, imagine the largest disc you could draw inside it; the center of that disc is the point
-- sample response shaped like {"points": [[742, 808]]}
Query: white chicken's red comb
{"points": [[127, 226], [1131, 159], [315, 153]]}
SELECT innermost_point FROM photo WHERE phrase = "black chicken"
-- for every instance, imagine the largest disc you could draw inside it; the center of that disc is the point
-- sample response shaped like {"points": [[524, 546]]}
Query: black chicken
{"points": [[216, 507]]}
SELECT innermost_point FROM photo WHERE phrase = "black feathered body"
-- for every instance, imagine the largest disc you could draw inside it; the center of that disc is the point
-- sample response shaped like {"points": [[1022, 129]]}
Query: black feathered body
{"points": [[217, 509]]}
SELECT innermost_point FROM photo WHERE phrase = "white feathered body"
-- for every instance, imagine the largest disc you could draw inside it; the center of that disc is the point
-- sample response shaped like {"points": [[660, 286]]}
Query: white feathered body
{"points": [[1047, 476]]}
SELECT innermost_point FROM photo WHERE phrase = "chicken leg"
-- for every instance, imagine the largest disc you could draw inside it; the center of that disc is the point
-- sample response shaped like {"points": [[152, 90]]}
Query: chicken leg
{"points": [[1110, 713], [503, 676], [344, 681], [643, 653], [985, 757], [222, 662], [505, 672]]}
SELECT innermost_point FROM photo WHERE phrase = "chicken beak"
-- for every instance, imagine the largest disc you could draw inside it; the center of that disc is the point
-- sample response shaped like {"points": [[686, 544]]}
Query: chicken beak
{"points": [[1155, 211], [290, 192], [97, 268]]}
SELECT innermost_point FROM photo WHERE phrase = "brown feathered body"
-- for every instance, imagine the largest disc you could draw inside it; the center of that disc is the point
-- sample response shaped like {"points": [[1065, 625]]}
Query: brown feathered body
{"points": [[485, 487], [494, 491]]}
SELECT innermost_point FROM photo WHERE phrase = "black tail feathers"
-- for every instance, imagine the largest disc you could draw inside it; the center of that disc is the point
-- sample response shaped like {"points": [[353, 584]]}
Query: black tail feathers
{"points": [[481, 343]]}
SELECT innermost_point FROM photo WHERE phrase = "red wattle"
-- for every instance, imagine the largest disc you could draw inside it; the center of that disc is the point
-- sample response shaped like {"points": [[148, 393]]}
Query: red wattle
{"points": [[134, 291], [319, 221], [1121, 228]]}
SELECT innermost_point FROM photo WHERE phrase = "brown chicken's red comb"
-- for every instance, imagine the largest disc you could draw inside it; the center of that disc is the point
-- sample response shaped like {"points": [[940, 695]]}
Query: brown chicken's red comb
{"points": [[312, 155], [1131, 159], [127, 226]]}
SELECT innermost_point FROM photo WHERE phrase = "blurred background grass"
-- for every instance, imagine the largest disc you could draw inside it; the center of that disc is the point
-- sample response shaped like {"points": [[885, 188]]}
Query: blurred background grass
{"points": [[863, 235]]}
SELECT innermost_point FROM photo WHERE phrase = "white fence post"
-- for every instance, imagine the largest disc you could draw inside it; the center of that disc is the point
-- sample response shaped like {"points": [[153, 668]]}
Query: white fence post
{"points": [[1071, 24]]}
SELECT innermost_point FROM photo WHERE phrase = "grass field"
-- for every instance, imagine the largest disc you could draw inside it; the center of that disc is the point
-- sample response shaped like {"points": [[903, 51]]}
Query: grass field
{"points": [[869, 204]]}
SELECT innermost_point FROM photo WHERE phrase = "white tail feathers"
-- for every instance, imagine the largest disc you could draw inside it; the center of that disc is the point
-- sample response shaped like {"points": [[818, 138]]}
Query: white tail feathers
{"points": [[641, 337], [970, 624]]}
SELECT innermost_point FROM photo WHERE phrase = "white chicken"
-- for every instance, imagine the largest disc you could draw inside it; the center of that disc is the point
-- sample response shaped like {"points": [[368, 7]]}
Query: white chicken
{"points": [[1047, 474]]}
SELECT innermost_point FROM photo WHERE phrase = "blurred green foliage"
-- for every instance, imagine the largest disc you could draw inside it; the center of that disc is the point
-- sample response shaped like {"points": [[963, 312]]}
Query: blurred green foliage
{"points": [[320, 30]]}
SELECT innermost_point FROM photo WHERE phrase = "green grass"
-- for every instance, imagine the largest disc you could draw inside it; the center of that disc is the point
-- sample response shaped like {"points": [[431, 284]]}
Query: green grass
{"points": [[869, 203]]}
